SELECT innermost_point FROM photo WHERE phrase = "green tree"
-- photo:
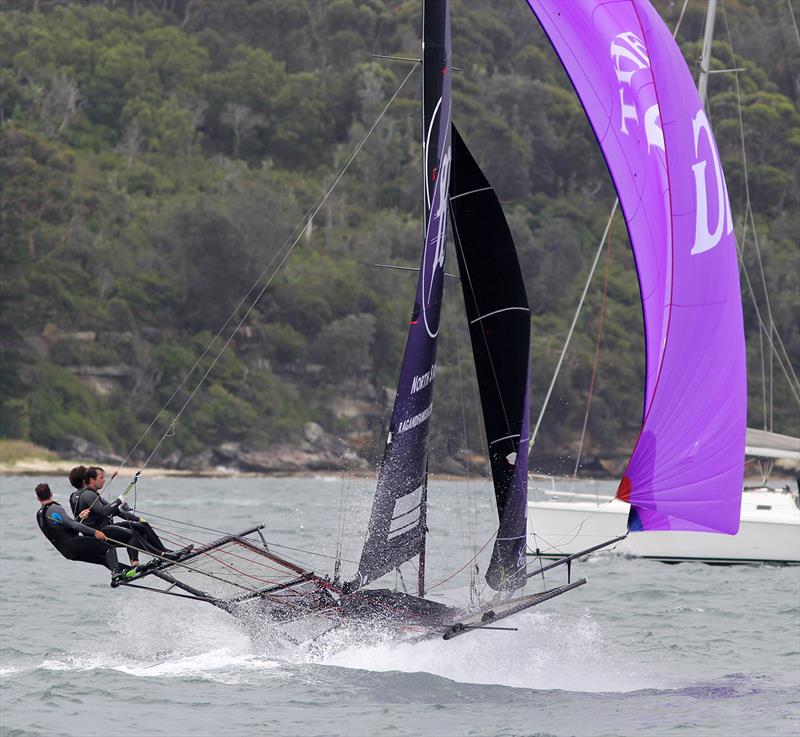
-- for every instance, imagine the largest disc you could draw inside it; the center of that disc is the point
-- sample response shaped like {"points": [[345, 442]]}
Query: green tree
{"points": [[344, 346]]}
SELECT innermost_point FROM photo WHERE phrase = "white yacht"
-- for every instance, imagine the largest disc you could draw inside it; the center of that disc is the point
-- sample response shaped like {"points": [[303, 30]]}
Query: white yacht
{"points": [[566, 521]]}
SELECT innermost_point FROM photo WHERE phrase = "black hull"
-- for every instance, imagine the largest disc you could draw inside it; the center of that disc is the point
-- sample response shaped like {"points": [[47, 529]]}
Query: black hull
{"points": [[379, 607]]}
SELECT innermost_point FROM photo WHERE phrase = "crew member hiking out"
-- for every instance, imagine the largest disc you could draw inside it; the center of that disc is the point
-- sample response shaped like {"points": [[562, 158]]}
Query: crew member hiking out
{"points": [[93, 510], [75, 541]]}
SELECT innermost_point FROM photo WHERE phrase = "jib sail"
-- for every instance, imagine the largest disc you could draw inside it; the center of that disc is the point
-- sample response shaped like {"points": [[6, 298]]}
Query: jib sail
{"points": [[499, 325]]}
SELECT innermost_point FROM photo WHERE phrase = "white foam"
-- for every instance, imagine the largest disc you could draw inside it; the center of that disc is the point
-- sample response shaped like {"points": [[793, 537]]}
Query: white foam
{"points": [[168, 639], [546, 652], [10, 671], [176, 639], [224, 665]]}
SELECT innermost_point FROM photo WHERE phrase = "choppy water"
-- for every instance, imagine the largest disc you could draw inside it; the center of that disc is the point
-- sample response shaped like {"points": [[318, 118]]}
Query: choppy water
{"points": [[645, 648]]}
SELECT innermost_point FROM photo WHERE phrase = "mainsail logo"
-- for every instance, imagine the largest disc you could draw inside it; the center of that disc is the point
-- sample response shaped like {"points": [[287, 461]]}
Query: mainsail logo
{"points": [[422, 380], [416, 420], [436, 233]]}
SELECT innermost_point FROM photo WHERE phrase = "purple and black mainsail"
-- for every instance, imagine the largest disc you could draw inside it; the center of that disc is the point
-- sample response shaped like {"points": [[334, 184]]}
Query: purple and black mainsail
{"points": [[396, 531], [686, 470]]}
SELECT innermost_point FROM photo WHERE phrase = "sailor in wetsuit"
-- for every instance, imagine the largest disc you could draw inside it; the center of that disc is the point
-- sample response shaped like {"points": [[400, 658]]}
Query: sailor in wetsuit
{"points": [[65, 534], [91, 509]]}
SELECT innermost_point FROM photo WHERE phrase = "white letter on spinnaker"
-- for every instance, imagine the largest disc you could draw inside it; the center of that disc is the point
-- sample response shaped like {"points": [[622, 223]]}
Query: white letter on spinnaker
{"points": [[705, 239]]}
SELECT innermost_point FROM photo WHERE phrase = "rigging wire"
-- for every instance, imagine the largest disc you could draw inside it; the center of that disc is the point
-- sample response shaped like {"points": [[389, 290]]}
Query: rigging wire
{"points": [[791, 370], [122, 544], [224, 532], [268, 272], [471, 538], [473, 494], [468, 282], [768, 406], [572, 327], [339, 530], [455, 573], [680, 19], [604, 295], [749, 215], [794, 22], [309, 216], [180, 522], [789, 373], [464, 524], [537, 553], [472, 509]]}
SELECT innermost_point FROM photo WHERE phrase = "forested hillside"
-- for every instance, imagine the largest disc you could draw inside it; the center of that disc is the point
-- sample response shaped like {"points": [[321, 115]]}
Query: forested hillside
{"points": [[157, 155]]}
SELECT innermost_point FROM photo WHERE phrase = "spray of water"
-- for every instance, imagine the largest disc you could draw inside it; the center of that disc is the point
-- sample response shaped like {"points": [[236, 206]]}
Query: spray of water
{"points": [[174, 639], [546, 652]]}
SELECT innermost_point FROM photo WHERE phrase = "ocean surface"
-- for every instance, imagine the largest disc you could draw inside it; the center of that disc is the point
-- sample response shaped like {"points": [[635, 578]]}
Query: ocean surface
{"points": [[643, 649]]}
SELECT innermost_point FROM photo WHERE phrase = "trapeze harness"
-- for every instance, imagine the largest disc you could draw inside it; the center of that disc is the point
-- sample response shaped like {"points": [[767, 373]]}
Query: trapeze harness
{"points": [[64, 533]]}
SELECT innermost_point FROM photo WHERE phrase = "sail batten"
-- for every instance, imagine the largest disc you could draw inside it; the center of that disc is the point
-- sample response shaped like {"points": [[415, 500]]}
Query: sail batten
{"points": [[496, 312], [644, 109]]}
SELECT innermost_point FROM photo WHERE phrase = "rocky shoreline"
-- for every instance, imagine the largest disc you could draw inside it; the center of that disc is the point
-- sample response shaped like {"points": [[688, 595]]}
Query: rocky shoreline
{"points": [[317, 451], [320, 452]]}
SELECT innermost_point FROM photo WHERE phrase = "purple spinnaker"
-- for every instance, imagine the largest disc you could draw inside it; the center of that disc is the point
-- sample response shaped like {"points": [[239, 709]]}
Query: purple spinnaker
{"points": [[686, 470]]}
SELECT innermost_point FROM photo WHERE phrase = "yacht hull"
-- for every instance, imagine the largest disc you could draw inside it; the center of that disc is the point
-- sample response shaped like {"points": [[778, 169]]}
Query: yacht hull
{"points": [[769, 531]]}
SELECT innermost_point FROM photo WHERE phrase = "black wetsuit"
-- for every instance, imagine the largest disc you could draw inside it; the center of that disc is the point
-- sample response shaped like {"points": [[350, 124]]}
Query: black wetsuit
{"points": [[63, 532], [131, 532]]}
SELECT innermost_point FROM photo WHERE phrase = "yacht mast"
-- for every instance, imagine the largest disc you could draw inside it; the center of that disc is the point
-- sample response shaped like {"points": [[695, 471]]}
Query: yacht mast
{"points": [[705, 59]]}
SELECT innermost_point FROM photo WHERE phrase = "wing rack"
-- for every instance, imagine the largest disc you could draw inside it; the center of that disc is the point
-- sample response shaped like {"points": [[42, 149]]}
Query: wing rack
{"points": [[236, 572]]}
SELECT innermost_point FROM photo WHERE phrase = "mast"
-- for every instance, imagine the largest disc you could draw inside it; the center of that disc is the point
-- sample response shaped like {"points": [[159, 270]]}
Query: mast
{"points": [[396, 531], [705, 59], [423, 514], [435, 65]]}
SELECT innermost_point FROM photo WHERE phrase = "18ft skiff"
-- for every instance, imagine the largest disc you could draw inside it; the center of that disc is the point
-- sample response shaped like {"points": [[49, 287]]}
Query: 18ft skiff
{"points": [[685, 472]]}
